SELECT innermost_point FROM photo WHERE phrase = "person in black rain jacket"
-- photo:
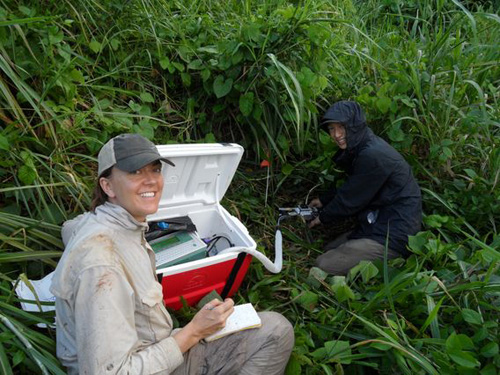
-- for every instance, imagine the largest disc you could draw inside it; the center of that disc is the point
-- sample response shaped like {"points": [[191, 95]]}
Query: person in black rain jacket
{"points": [[380, 191]]}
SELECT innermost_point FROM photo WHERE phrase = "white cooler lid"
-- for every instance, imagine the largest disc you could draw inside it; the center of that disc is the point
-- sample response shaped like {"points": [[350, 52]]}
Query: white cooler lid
{"points": [[202, 172]]}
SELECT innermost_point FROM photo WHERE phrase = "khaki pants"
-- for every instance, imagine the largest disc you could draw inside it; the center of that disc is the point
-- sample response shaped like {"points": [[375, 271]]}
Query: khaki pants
{"points": [[263, 350], [343, 254]]}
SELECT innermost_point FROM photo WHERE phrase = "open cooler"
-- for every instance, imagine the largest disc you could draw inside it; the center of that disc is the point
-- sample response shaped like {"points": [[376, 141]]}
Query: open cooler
{"points": [[194, 188]]}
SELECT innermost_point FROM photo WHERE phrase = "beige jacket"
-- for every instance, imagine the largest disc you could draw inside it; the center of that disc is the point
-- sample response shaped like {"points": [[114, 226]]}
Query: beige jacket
{"points": [[109, 311]]}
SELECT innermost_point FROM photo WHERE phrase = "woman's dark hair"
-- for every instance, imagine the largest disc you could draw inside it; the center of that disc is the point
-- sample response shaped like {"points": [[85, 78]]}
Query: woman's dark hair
{"points": [[100, 197]]}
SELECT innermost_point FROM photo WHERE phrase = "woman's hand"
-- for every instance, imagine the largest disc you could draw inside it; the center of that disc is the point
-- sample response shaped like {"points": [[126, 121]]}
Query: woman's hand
{"points": [[212, 316], [315, 203], [208, 320]]}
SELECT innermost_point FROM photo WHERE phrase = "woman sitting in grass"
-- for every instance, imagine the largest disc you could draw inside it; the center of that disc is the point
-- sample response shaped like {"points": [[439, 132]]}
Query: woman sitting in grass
{"points": [[109, 306]]}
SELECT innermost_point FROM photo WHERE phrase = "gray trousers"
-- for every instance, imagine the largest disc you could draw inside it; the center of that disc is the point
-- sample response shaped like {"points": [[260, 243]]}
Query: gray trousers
{"points": [[263, 350], [342, 254]]}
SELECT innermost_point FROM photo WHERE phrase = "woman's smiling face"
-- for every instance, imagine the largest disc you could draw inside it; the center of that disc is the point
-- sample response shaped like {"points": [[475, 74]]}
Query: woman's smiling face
{"points": [[139, 192]]}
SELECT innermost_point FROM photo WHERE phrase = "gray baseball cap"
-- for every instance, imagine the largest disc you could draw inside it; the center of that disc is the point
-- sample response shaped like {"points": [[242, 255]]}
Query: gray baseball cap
{"points": [[128, 152]]}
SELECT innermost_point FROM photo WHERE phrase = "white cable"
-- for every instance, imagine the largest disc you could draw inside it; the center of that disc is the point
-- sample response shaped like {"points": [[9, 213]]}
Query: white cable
{"points": [[270, 266]]}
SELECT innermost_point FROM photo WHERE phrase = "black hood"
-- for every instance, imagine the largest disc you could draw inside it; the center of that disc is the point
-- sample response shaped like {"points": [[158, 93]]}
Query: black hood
{"points": [[352, 117]]}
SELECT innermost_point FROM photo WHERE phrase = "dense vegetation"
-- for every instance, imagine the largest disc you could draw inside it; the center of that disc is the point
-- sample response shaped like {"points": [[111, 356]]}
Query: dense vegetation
{"points": [[260, 73]]}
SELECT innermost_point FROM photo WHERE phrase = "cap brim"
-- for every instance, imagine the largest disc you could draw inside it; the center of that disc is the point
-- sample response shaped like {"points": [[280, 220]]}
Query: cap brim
{"points": [[136, 162]]}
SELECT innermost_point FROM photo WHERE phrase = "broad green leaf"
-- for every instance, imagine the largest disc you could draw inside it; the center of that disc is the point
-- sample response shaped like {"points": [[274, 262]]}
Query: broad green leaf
{"points": [[435, 221], [146, 97], [465, 359], [55, 35], [391, 323], [383, 104], [284, 143], [489, 350], [325, 139], [489, 369], [337, 280], [395, 133], [195, 65], [302, 335], [65, 51], [447, 152], [471, 316], [257, 113], [319, 353], [95, 46], [26, 174], [287, 169], [178, 66], [458, 342], [104, 103], [316, 274], [26, 11], [18, 358], [145, 110], [4, 143], [293, 367], [251, 31], [471, 173], [219, 107], [287, 12], [52, 214], [115, 44], [186, 79], [222, 87], [336, 349], [308, 300], [368, 270], [323, 82], [164, 63], [416, 243], [343, 292], [134, 106], [480, 335], [246, 103], [205, 74], [327, 370], [144, 128], [77, 76]]}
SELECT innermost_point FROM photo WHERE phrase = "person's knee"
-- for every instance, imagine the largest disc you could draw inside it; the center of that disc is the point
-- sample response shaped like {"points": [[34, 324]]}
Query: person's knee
{"points": [[321, 262], [331, 264], [281, 328]]}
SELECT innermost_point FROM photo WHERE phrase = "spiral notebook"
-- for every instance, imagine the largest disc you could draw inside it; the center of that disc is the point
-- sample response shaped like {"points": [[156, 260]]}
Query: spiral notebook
{"points": [[243, 317]]}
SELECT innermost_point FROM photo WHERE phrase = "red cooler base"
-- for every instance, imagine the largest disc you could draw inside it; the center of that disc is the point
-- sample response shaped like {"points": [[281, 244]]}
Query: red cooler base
{"points": [[193, 285]]}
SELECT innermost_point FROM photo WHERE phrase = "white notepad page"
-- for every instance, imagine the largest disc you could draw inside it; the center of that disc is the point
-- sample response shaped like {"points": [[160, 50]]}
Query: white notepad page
{"points": [[243, 317]]}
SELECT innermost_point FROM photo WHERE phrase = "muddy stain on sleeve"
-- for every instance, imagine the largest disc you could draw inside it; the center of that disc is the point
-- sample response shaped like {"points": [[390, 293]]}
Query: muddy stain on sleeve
{"points": [[105, 282]]}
